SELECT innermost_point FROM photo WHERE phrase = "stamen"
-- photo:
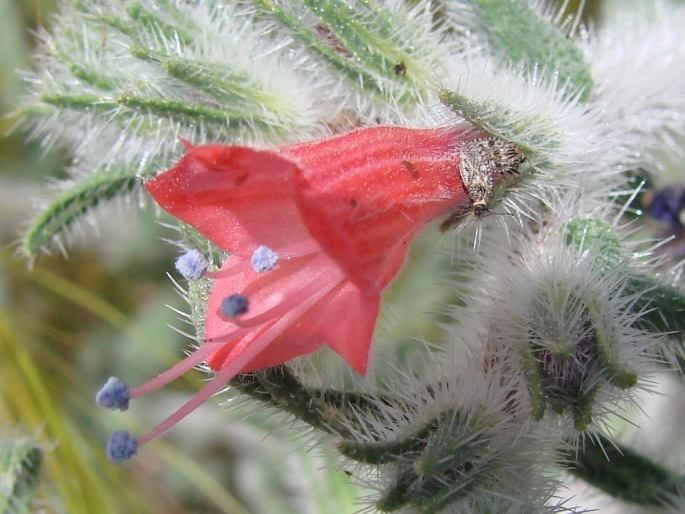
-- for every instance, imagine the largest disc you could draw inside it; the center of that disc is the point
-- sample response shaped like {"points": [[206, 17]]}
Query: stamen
{"points": [[192, 265], [234, 305], [301, 249], [192, 360], [287, 304], [243, 352], [121, 446], [264, 259], [113, 395]]}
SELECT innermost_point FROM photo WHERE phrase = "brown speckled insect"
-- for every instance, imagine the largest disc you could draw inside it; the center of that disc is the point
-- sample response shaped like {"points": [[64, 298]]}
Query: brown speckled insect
{"points": [[480, 161]]}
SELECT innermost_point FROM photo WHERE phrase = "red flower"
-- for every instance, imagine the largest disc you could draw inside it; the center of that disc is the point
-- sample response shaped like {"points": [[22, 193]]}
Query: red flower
{"points": [[315, 231]]}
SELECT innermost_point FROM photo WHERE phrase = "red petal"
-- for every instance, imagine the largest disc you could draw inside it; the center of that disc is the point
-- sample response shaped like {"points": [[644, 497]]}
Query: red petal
{"points": [[348, 319], [344, 318], [238, 197], [365, 194], [280, 351], [264, 291]]}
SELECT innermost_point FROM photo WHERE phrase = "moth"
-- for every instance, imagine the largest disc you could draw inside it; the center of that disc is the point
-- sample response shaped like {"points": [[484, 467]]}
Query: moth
{"points": [[480, 162]]}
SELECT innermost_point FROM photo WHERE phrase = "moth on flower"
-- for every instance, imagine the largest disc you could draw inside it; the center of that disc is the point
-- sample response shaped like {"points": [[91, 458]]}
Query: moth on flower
{"points": [[315, 231], [481, 161]]}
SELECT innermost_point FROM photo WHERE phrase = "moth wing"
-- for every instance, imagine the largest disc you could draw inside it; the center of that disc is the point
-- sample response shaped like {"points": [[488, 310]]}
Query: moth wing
{"points": [[468, 166]]}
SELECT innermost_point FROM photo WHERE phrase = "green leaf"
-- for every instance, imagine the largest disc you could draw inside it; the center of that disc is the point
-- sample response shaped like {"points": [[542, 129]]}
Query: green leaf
{"points": [[396, 449], [662, 306], [20, 465], [597, 235], [377, 51], [624, 473], [515, 33], [55, 221], [144, 71], [532, 134]]}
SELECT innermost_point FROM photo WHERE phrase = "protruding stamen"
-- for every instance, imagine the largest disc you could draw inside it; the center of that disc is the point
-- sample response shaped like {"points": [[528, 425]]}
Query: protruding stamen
{"points": [[243, 352], [113, 395], [192, 360], [264, 259], [234, 305], [192, 265], [121, 446]]}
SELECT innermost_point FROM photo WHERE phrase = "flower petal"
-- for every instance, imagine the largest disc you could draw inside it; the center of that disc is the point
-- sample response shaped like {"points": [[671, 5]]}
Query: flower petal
{"points": [[238, 197], [289, 282], [347, 318], [364, 195]]}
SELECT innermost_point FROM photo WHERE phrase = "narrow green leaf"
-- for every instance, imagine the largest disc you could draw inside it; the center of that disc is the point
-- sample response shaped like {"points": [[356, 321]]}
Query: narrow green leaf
{"points": [[244, 101], [398, 493], [351, 70], [624, 473], [373, 49], [371, 36], [515, 33], [616, 373], [534, 381], [294, 398], [326, 409], [663, 305], [171, 29], [55, 221], [128, 109], [381, 452], [496, 120]]}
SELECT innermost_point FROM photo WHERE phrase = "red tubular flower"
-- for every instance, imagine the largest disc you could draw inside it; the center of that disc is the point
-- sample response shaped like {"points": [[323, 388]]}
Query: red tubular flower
{"points": [[315, 231]]}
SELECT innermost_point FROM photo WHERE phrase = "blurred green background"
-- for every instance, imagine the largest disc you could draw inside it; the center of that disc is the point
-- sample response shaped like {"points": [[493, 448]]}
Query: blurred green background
{"points": [[69, 321]]}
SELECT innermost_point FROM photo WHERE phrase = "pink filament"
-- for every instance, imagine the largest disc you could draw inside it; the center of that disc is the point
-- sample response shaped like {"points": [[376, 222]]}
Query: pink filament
{"points": [[287, 304], [241, 266], [299, 249], [191, 361], [242, 355]]}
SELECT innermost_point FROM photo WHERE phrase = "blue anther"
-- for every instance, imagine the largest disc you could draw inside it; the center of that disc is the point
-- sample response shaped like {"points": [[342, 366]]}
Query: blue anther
{"points": [[121, 446], [113, 395], [233, 305], [192, 265], [264, 259]]}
